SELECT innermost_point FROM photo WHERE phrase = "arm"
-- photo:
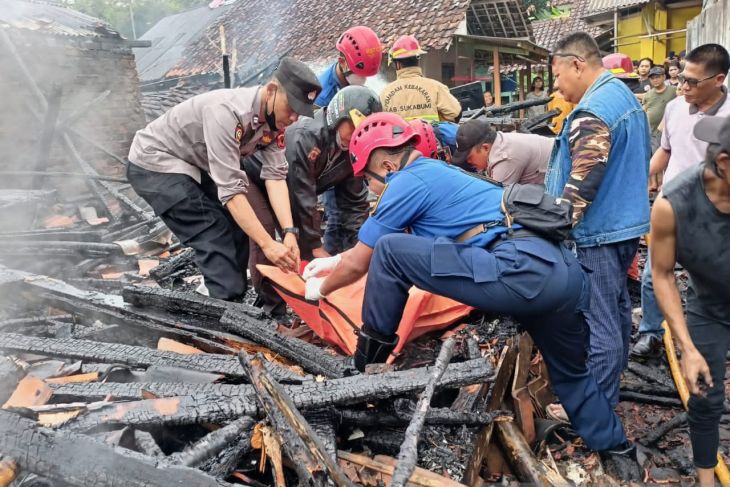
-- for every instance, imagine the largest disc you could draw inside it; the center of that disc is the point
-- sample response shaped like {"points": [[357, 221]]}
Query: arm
{"points": [[353, 266], [225, 170], [659, 161], [279, 198], [590, 144], [663, 258], [447, 105]]}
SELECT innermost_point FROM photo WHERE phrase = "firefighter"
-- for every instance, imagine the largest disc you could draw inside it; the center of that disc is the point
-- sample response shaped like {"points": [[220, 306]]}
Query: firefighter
{"points": [[458, 247], [186, 165], [318, 157], [437, 140], [412, 95], [360, 56]]}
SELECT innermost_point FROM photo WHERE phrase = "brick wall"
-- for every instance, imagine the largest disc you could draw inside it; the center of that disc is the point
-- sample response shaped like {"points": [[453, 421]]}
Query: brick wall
{"points": [[84, 67]]}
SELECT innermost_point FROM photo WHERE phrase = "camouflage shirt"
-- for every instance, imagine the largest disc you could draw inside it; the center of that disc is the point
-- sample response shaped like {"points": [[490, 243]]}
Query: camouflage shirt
{"points": [[590, 143]]}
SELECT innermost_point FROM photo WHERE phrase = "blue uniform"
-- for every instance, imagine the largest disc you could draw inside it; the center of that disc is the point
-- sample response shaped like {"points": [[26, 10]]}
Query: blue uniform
{"points": [[330, 85], [538, 282]]}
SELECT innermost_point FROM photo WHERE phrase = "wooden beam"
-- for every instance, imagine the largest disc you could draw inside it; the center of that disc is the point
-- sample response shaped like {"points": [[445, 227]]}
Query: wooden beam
{"points": [[497, 78]]}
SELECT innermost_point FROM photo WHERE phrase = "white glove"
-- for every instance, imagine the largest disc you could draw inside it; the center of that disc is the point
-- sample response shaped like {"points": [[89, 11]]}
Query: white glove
{"points": [[312, 289], [321, 266]]}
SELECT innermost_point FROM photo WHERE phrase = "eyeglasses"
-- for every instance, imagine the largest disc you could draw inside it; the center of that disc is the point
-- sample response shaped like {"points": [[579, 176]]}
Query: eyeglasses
{"points": [[691, 81], [565, 54]]}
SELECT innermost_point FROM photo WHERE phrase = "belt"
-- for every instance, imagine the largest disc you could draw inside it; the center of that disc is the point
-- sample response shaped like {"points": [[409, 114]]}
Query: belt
{"points": [[519, 233], [483, 227]]}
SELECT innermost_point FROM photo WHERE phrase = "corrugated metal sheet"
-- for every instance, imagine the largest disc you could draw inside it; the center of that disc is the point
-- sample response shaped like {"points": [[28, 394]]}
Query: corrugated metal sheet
{"points": [[51, 19], [711, 26], [170, 37], [596, 6]]}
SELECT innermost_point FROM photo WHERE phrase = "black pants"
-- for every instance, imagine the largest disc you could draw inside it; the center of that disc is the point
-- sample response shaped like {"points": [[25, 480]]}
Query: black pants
{"points": [[711, 339], [194, 214]]}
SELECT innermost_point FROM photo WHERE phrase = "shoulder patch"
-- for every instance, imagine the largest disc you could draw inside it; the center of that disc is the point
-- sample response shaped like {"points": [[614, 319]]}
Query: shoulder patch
{"points": [[313, 154], [267, 138], [238, 133], [377, 202]]}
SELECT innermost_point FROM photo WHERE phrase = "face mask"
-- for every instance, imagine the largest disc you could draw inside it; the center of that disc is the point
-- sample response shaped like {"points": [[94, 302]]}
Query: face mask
{"points": [[338, 140], [271, 117], [355, 79]]}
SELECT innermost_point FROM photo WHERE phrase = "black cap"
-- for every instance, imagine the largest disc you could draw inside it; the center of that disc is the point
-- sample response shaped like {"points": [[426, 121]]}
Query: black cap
{"points": [[300, 83], [656, 70], [469, 135], [715, 130]]}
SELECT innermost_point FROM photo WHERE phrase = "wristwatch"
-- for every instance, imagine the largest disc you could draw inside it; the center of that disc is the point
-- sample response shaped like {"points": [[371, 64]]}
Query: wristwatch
{"points": [[292, 230]]}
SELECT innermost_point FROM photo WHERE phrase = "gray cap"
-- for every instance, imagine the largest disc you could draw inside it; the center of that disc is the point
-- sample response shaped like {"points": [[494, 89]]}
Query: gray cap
{"points": [[656, 71], [715, 130]]}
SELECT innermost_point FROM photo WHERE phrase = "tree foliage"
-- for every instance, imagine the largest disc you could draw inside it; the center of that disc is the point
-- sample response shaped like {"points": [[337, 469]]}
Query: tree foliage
{"points": [[119, 13]]}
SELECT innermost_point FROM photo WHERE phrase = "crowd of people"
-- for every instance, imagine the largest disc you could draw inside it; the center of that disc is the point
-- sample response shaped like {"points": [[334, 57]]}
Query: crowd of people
{"points": [[230, 170]]}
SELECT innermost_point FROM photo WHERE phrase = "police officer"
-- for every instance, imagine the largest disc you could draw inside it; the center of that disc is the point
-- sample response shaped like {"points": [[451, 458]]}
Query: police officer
{"points": [[318, 157], [459, 247], [412, 95], [186, 165], [360, 55]]}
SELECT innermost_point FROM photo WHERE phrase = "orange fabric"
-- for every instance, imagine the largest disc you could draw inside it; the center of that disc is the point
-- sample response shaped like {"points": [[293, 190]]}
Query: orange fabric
{"points": [[337, 318]]}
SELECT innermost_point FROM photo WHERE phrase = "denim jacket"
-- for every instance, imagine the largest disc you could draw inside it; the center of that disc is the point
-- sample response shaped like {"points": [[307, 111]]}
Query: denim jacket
{"points": [[620, 210]]}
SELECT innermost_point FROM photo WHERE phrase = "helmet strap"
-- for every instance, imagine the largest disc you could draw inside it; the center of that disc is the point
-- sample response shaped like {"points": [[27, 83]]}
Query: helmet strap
{"points": [[375, 176], [404, 158]]}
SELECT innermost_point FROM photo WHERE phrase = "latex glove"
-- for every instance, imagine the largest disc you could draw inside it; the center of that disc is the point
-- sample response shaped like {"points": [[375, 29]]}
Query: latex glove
{"points": [[321, 267], [312, 289]]}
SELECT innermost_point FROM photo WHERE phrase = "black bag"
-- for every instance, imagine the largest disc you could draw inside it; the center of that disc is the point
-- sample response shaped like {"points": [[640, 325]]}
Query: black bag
{"points": [[534, 209]]}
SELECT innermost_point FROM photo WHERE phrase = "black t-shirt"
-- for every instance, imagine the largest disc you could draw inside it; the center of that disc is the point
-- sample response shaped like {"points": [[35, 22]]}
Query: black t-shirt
{"points": [[643, 87]]}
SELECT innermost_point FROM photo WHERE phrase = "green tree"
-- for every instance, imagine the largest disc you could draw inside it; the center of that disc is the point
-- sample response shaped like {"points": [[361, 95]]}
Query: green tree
{"points": [[119, 13]]}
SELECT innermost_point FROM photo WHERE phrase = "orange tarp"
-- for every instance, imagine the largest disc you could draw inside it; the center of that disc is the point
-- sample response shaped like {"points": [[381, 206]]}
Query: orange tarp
{"points": [[337, 318]]}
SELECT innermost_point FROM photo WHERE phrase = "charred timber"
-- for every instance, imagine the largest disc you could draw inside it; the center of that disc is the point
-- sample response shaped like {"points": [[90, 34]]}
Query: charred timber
{"points": [[242, 320], [63, 456], [180, 262], [60, 247], [313, 463], [126, 354], [435, 416], [218, 403], [213, 443], [662, 429], [409, 449], [311, 357]]}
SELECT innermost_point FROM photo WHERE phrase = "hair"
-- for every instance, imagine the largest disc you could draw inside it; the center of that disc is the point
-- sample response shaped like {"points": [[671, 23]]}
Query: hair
{"points": [[377, 154], [583, 45], [651, 61], [408, 62], [672, 64], [532, 85], [713, 57]]}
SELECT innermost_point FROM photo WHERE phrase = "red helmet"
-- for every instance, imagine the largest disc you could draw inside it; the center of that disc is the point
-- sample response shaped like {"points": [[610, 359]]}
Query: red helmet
{"points": [[362, 50], [428, 146], [382, 129], [405, 47]]}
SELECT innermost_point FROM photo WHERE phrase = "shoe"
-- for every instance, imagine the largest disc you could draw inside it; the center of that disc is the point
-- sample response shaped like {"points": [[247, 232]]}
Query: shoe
{"points": [[622, 462], [373, 348], [648, 346]]}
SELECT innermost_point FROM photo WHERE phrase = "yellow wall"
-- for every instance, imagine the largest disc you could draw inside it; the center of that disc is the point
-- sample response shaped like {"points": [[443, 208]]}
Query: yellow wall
{"points": [[631, 27]]}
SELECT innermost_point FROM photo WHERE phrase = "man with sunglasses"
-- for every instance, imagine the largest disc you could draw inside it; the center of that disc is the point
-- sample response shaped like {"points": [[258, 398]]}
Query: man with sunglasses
{"points": [[705, 94], [600, 164]]}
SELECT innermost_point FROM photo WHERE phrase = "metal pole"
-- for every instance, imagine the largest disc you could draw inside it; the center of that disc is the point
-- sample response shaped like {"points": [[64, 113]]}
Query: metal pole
{"points": [[131, 18]]}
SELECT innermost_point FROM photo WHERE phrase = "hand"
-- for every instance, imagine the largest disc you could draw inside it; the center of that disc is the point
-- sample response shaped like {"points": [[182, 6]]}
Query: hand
{"points": [[279, 255], [312, 289], [290, 241], [320, 252], [321, 267], [694, 366]]}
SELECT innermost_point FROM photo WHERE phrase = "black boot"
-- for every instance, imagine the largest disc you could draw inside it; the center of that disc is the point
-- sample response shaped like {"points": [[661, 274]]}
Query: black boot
{"points": [[373, 348], [648, 346], [623, 462]]}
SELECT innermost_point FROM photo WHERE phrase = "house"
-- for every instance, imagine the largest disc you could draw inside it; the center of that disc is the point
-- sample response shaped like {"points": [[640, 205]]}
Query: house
{"points": [[645, 28], [77, 60], [464, 38], [548, 31]]}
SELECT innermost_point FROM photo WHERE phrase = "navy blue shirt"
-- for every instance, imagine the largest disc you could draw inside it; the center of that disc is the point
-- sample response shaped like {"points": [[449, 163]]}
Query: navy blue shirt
{"points": [[432, 199], [330, 86]]}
